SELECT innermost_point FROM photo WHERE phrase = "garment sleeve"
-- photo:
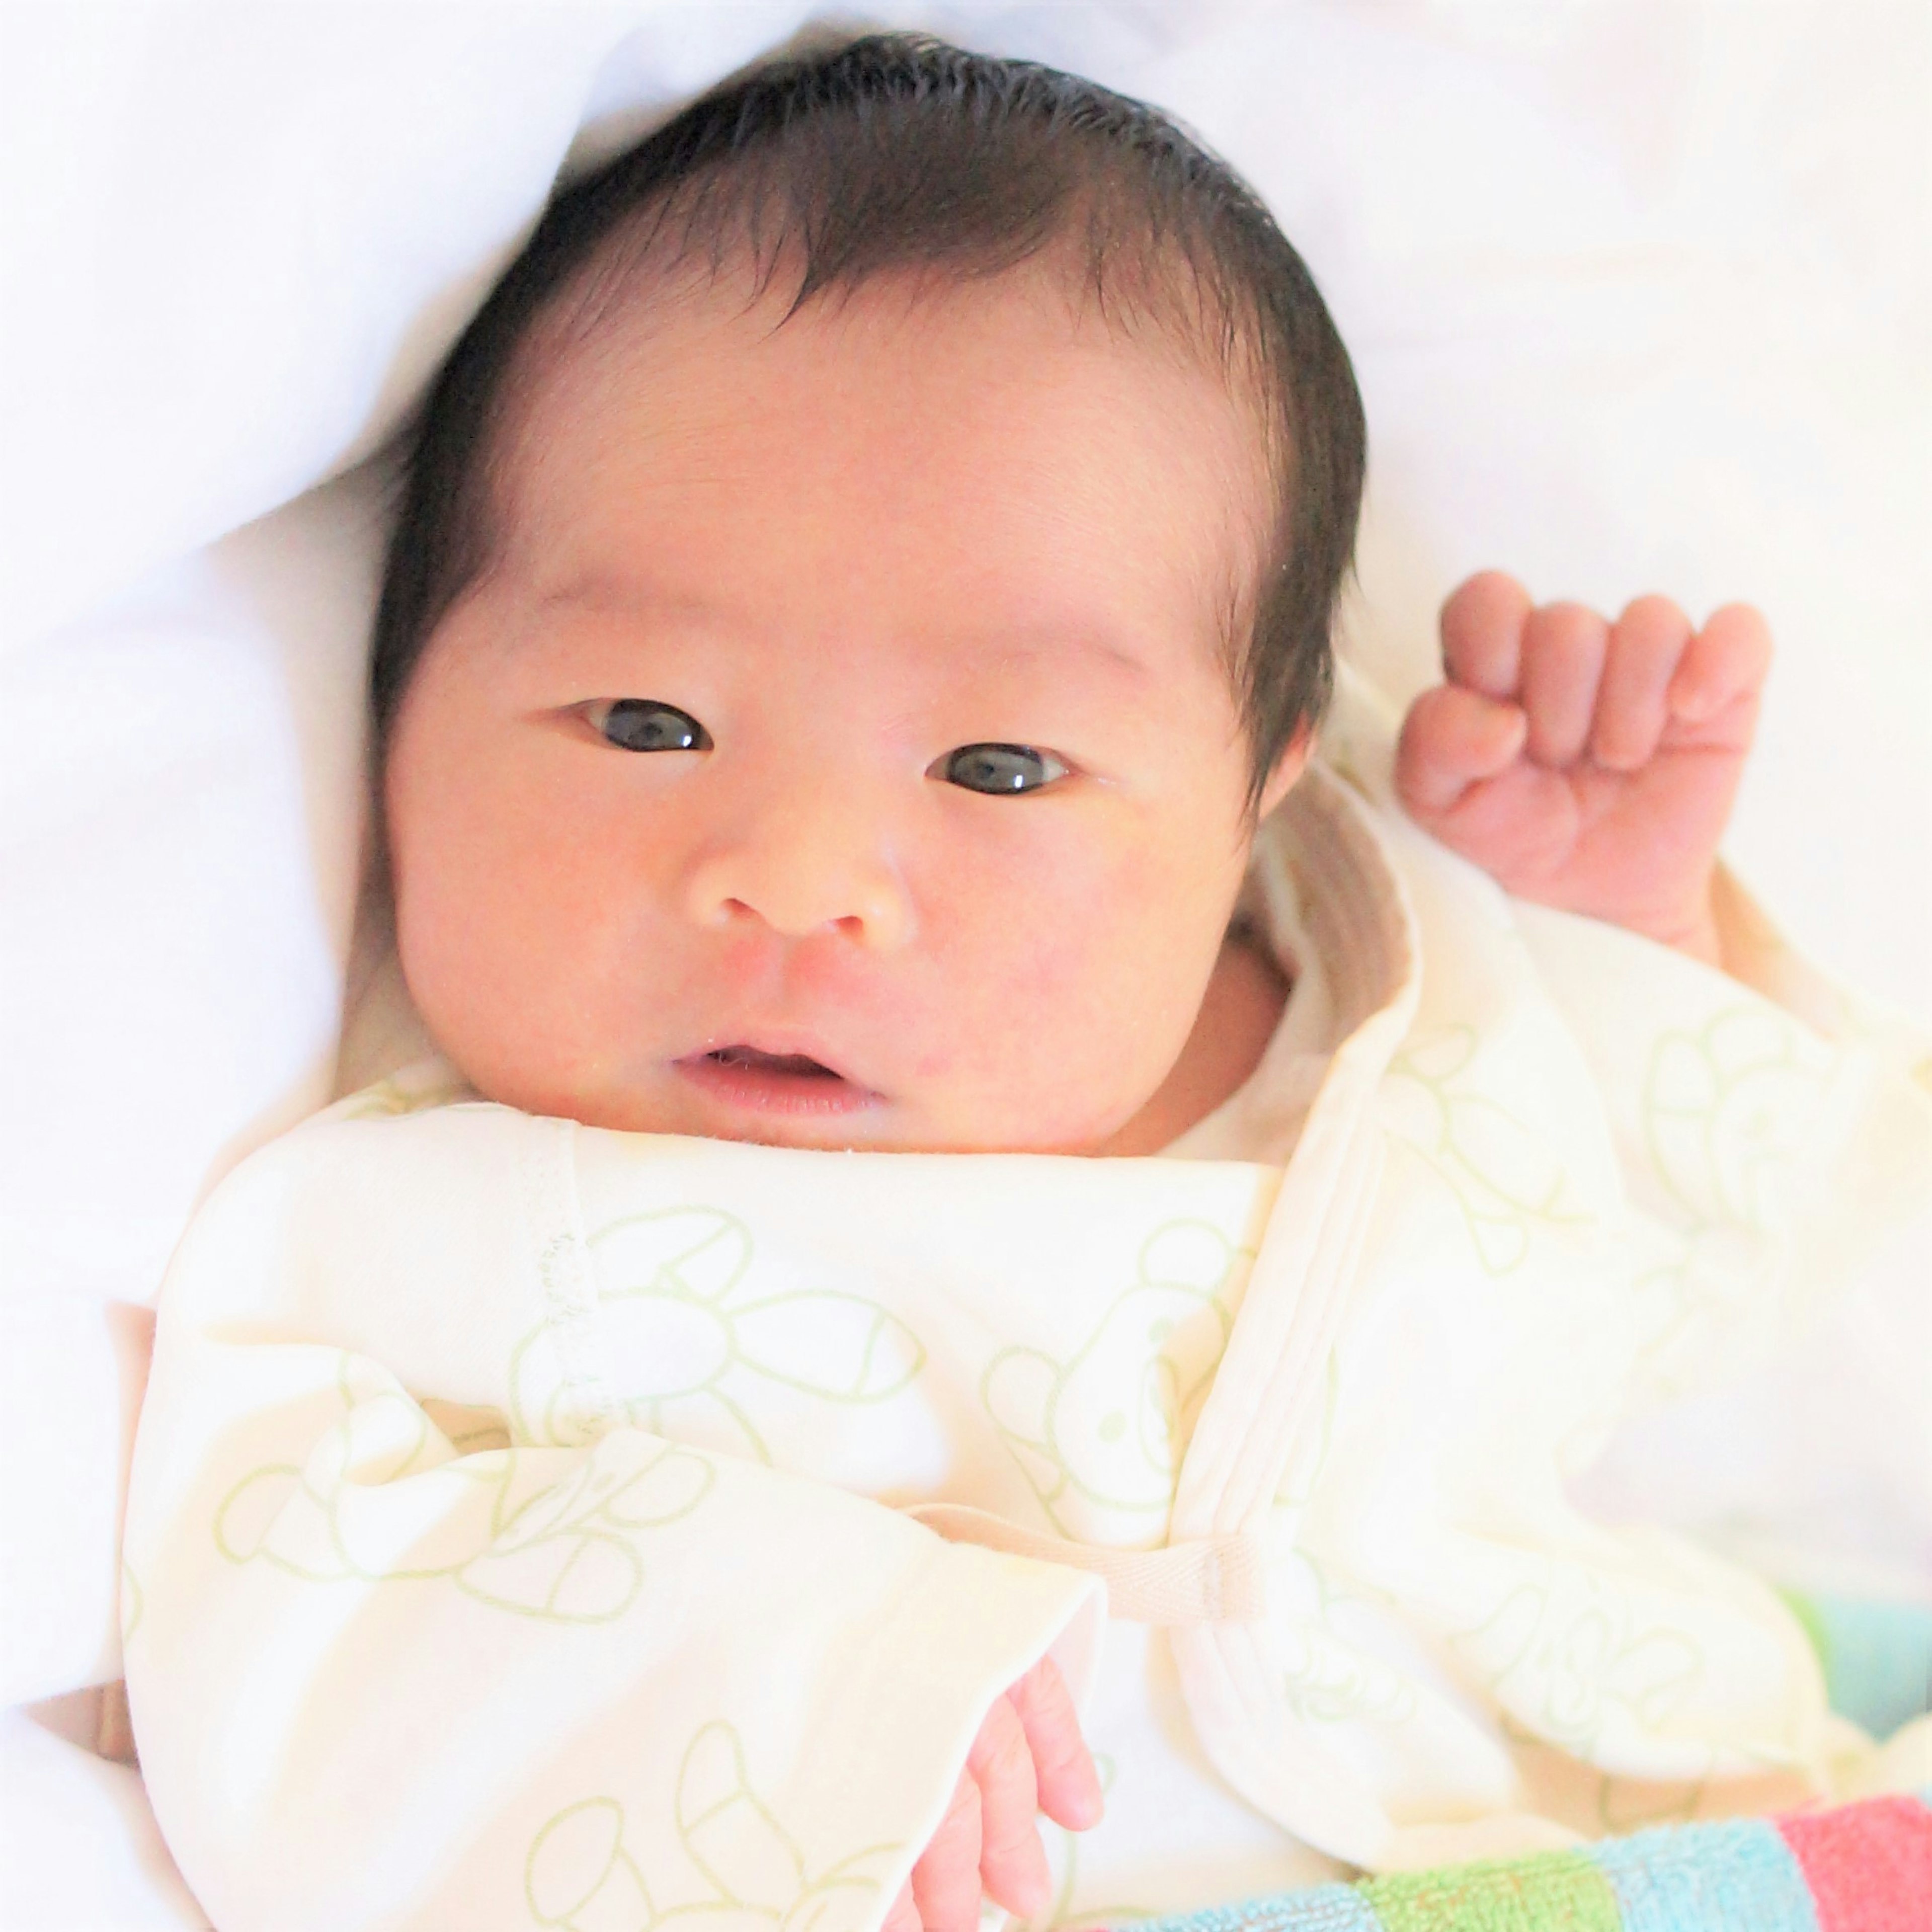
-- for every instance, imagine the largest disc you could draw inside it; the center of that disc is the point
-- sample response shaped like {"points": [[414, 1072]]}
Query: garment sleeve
{"points": [[397, 1656], [1612, 1175], [1774, 1127]]}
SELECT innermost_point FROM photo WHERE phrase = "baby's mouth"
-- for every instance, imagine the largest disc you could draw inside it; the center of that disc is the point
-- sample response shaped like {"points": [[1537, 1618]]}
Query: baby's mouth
{"points": [[753, 1080], [803, 1065]]}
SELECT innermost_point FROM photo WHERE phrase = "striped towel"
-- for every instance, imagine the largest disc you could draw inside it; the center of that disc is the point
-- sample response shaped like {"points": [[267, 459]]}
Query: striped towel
{"points": [[1862, 1867]]}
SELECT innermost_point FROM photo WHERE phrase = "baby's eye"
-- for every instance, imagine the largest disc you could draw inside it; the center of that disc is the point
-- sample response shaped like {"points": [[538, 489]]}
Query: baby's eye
{"points": [[998, 768], [643, 725]]}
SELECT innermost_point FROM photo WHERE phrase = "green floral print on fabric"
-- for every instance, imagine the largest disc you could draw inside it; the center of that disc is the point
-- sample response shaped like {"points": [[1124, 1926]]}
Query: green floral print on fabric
{"points": [[689, 1342], [1685, 1305], [468, 1429], [562, 1550], [751, 1874], [1726, 1111], [1326, 1677], [1600, 1801], [1563, 1653], [1725, 1114], [1099, 1436], [1506, 1179]]}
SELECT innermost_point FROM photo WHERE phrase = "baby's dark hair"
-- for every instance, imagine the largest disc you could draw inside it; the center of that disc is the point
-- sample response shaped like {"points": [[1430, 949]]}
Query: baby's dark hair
{"points": [[897, 151]]}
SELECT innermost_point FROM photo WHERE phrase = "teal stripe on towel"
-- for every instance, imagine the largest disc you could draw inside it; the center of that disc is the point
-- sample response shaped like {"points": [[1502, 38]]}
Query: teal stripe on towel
{"points": [[1323, 1908], [1737, 1876], [1877, 1658]]}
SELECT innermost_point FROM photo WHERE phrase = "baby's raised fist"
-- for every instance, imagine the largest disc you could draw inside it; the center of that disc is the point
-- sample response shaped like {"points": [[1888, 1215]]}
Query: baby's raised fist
{"points": [[1588, 764], [1029, 1757]]}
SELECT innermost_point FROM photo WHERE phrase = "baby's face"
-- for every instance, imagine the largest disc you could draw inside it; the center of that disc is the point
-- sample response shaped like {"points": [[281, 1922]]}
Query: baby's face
{"points": [[923, 600]]}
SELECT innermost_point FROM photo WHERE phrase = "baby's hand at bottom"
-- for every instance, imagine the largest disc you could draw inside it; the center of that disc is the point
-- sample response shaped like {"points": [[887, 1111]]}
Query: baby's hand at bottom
{"points": [[1029, 1757]]}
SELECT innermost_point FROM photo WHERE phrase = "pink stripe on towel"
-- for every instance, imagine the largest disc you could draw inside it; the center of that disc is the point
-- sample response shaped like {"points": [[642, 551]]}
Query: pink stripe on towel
{"points": [[1869, 1865]]}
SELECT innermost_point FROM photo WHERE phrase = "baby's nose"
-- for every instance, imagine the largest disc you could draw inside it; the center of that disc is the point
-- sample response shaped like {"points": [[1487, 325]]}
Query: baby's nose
{"points": [[806, 865]]}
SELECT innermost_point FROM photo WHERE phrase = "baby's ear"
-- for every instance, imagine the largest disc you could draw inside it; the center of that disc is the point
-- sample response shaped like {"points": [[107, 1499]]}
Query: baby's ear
{"points": [[1290, 762]]}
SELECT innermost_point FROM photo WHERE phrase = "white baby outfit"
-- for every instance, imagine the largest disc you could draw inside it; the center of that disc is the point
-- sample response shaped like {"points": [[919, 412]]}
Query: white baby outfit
{"points": [[524, 1524]]}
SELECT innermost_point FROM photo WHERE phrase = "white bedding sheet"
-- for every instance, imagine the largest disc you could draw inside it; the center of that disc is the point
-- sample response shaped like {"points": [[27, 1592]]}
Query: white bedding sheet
{"points": [[1639, 296]]}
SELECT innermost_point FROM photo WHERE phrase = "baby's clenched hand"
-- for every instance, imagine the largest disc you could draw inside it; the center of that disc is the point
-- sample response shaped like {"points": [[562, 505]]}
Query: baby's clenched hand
{"points": [[1029, 1757], [1586, 764]]}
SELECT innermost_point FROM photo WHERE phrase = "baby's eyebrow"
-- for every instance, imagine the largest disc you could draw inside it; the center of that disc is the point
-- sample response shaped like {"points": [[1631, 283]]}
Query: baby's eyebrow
{"points": [[1082, 634], [600, 591], [1083, 638]]}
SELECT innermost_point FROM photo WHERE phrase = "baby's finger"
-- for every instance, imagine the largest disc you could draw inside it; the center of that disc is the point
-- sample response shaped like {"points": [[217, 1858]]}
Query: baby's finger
{"points": [[1482, 633], [1069, 1786], [1451, 738], [1727, 660], [1563, 648], [945, 1880], [903, 1917], [1646, 644], [1012, 1861]]}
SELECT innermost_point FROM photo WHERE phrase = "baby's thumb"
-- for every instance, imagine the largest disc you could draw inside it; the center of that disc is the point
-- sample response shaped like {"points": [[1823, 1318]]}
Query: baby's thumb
{"points": [[1451, 739]]}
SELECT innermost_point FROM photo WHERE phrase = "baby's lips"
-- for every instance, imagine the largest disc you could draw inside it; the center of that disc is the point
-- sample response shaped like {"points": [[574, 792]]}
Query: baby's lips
{"points": [[771, 1077], [779, 1049], [739, 1055], [782, 1050]]}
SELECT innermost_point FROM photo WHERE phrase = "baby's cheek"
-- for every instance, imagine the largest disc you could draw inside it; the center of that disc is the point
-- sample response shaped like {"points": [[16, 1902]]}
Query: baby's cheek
{"points": [[1018, 1008], [517, 935], [1070, 1013]]}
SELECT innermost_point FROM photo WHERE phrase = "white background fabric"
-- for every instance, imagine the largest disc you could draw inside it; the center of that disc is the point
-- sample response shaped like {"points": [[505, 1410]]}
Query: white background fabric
{"points": [[1638, 294]]}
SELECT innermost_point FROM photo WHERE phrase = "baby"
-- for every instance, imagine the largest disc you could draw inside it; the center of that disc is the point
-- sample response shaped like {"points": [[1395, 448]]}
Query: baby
{"points": [[859, 615]]}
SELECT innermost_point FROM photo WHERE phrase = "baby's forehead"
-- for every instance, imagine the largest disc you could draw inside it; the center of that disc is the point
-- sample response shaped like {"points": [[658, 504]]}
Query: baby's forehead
{"points": [[992, 441], [632, 296], [953, 393]]}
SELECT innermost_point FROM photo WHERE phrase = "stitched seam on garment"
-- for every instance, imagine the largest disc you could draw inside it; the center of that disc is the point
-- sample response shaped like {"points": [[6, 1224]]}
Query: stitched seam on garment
{"points": [[1262, 1389], [1334, 1269], [1218, 1488], [566, 1279]]}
